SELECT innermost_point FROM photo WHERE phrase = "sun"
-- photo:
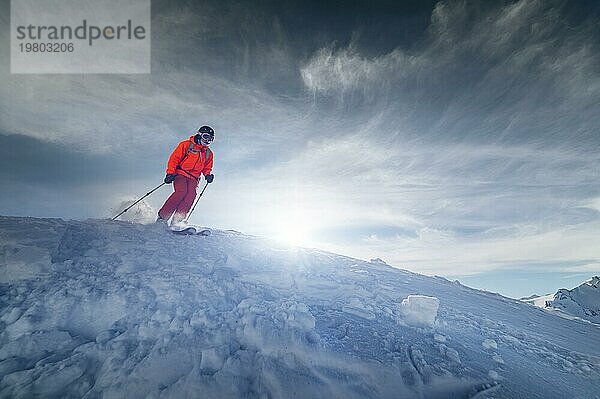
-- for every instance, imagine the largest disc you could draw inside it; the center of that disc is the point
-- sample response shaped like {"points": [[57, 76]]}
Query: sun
{"points": [[293, 226]]}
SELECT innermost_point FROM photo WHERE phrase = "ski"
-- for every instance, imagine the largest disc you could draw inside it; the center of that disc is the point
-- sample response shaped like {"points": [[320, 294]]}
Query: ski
{"points": [[190, 230]]}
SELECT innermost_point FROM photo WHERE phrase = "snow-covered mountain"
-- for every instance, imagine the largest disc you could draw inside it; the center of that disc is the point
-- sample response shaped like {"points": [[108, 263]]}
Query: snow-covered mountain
{"points": [[582, 301], [102, 309]]}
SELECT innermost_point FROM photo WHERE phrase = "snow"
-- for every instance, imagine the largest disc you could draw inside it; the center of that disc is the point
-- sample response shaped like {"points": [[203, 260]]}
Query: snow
{"points": [[581, 302], [378, 261], [494, 375], [489, 344], [142, 212], [103, 309], [498, 359], [439, 338], [539, 301], [419, 310], [451, 354]]}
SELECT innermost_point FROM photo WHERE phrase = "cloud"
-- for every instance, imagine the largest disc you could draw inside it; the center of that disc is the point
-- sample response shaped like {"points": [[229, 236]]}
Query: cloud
{"points": [[101, 114], [469, 40], [41, 163], [502, 73], [593, 203], [203, 72], [438, 209], [344, 70], [591, 268], [569, 249], [487, 131], [472, 148]]}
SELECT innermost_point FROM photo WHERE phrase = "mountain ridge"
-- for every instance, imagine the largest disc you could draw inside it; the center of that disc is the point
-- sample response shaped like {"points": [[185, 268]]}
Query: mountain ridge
{"points": [[581, 302]]}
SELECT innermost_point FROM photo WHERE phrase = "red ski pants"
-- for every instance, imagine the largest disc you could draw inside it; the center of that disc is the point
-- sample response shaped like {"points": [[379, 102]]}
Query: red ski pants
{"points": [[180, 202]]}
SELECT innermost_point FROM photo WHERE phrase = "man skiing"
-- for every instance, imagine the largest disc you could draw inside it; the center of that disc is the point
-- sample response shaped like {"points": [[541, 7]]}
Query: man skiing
{"points": [[191, 159]]}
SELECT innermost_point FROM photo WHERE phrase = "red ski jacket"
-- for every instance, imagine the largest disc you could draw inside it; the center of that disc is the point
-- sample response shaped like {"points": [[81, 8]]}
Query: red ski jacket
{"points": [[190, 160]]}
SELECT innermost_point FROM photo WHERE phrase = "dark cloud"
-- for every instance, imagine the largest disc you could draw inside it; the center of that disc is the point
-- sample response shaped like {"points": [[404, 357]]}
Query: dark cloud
{"points": [[263, 42], [520, 72], [32, 161]]}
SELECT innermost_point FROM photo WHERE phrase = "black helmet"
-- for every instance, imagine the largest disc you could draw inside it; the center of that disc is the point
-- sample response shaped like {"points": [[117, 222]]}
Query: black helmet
{"points": [[205, 135]]}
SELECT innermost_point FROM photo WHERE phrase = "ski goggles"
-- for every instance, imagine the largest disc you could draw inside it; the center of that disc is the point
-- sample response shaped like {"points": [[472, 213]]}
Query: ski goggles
{"points": [[206, 138]]}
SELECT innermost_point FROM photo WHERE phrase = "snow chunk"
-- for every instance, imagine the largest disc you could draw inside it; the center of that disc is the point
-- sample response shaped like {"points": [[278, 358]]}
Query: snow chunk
{"points": [[213, 359], [299, 316], [452, 354], [379, 261], [489, 344], [498, 359], [585, 368], [439, 338], [356, 307], [494, 375], [419, 310]]}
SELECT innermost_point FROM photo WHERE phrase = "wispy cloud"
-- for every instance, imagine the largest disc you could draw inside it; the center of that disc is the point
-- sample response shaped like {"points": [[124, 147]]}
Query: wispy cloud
{"points": [[494, 151], [467, 40], [456, 209], [447, 253]]}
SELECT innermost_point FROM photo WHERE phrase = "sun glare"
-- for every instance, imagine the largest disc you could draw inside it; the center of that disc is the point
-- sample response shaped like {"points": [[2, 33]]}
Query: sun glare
{"points": [[293, 227]]}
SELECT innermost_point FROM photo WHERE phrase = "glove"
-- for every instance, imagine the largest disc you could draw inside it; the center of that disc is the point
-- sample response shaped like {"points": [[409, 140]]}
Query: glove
{"points": [[209, 178], [169, 178]]}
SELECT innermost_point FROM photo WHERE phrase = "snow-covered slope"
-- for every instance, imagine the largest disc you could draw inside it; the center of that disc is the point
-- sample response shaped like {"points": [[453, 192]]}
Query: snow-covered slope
{"points": [[102, 309], [539, 300], [582, 301]]}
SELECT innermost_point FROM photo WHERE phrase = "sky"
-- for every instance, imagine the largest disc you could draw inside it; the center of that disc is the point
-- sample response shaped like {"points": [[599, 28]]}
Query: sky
{"points": [[451, 138]]}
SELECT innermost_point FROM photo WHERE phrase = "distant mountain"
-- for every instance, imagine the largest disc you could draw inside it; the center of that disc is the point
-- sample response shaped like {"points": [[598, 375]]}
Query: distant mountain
{"points": [[582, 301]]}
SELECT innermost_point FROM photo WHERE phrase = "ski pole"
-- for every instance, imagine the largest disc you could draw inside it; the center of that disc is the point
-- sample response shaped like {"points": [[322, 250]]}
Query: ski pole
{"points": [[147, 194], [196, 203]]}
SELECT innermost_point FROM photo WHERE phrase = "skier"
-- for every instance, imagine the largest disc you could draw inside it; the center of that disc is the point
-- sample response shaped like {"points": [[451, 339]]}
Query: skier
{"points": [[191, 159]]}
